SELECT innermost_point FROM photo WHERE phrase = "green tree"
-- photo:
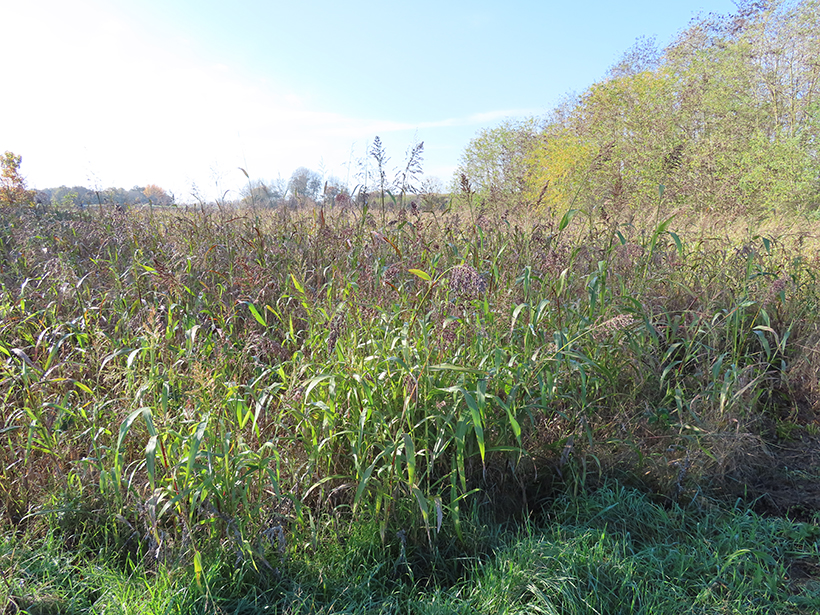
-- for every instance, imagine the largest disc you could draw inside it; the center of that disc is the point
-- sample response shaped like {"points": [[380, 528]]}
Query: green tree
{"points": [[726, 117], [747, 87], [498, 161]]}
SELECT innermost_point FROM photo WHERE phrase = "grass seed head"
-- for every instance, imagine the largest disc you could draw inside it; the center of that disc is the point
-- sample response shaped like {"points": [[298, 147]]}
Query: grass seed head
{"points": [[466, 282], [611, 326]]}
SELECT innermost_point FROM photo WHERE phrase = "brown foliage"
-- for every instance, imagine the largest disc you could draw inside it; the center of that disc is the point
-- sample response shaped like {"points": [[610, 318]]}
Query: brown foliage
{"points": [[13, 189]]}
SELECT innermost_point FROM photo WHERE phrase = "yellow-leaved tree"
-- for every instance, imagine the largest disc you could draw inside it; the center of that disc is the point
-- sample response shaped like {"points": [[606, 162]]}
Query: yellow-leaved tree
{"points": [[13, 191], [157, 196], [558, 166]]}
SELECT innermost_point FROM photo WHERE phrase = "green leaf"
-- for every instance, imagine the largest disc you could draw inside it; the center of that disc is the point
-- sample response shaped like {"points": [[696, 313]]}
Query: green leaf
{"points": [[562, 283], [678, 243], [422, 502], [761, 336], [195, 441], [516, 427], [478, 426], [363, 482], [313, 382], [55, 349], [323, 481], [567, 218], [664, 225], [296, 284], [83, 387], [259, 318], [198, 570], [461, 437], [124, 428], [410, 457], [150, 461], [420, 274], [515, 315], [365, 478], [132, 356], [114, 355]]}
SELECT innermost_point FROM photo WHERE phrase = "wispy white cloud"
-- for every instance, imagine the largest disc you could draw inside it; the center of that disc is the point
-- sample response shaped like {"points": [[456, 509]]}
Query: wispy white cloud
{"points": [[97, 100], [475, 119]]}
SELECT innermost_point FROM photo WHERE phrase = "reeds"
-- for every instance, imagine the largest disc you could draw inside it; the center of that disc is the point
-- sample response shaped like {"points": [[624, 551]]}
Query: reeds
{"points": [[209, 375]]}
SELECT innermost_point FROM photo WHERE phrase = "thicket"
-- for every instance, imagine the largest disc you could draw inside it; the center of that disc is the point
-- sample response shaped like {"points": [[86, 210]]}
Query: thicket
{"points": [[726, 118]]}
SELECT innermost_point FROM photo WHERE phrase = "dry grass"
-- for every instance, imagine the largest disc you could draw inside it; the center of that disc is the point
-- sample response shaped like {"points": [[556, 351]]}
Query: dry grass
{"points": [[208, 374]]}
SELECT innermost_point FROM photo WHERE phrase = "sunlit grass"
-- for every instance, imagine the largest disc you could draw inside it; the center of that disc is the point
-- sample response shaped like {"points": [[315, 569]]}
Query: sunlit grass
{"points": [[219, 391]]}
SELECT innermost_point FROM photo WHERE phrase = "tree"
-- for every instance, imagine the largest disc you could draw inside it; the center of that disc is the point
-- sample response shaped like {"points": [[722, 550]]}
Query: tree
{"points": [[498, 161], [257, 193], [157, 196], [64, 197], [725, 117], [13, 191], [749, 84], [305, 183], [334, 191], [643, 56]]}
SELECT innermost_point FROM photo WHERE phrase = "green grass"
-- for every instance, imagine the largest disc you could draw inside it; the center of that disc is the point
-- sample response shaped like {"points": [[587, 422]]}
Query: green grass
{"points": [[612, 551], [315, 408]]}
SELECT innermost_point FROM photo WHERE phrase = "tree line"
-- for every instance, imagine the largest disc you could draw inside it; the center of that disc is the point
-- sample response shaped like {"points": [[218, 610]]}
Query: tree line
{"points": [[376, 182], [82, 197], [725, 118]]}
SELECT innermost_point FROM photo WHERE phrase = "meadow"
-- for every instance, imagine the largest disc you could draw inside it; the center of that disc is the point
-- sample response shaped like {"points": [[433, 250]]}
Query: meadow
{"points": [[433, 408]]}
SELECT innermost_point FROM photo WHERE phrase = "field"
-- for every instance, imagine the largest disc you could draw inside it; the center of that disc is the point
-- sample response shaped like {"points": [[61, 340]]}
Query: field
{"points": [[428, 409]]}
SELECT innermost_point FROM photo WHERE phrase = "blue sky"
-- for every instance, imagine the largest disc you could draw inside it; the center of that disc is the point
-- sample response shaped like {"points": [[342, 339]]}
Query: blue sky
{"points": [[182, 93]]}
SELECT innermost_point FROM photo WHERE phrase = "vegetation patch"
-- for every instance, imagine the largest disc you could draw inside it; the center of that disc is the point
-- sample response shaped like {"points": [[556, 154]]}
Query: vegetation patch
{"points": [[587, 388]]}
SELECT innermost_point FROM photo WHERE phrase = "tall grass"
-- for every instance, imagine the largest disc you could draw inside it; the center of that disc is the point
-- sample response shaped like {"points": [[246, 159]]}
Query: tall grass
{"points": [[193, 382]]}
